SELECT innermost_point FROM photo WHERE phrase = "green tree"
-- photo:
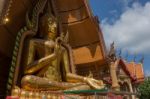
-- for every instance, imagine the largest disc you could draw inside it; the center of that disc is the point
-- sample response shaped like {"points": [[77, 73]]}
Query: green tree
{"points": [[144, 89]]}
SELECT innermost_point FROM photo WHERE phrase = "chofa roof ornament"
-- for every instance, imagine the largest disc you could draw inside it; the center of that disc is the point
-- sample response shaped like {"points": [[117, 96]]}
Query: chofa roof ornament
{"points": [[142, 59], [112, 52]]}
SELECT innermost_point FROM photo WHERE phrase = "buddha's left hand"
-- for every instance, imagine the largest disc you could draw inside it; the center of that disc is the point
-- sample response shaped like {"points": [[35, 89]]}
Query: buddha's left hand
{"points": [[96, 84]]}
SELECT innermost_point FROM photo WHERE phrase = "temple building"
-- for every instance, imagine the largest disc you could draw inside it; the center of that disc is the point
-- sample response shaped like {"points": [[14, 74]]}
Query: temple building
{"points": [[52, 49], [129, 76]]}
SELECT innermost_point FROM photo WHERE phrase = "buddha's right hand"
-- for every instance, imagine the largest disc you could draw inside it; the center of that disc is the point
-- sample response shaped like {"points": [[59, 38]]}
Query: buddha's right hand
{"points": [[57, 48]]}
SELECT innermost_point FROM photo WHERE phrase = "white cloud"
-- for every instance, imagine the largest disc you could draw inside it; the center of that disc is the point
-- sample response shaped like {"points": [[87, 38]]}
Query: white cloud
{"points": [[132, 30]]}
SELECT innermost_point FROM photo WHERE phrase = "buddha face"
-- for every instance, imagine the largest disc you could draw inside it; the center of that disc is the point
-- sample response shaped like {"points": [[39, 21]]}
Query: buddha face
{"points": [[48, 27], [52, 28]]}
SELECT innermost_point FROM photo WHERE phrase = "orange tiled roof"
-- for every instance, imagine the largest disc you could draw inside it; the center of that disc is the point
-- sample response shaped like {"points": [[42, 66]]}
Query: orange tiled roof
{"points": [[139, 72], [131, 68], [129, 71], [136, 69]]}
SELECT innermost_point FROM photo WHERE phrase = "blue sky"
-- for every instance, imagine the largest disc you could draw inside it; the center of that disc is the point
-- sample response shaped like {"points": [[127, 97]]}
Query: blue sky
{"points": [[127, 23]]}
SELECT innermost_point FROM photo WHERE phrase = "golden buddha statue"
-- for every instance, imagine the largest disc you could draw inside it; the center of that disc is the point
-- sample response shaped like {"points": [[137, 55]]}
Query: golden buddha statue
{"points": [[47, 62]]}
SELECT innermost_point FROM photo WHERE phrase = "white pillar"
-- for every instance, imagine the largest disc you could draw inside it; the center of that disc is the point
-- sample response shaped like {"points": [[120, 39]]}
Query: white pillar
{"points": [[131, 89], [115, 84]]}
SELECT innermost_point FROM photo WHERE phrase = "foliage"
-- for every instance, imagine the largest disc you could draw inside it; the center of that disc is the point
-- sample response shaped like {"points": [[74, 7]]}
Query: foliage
{"points": [[144, 89]]}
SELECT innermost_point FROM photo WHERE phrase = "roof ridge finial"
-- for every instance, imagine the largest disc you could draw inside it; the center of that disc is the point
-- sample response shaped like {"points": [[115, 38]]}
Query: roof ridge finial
{"points": [[112, 52], [142, 59], [135, 56], [120, 53], [127, 55]]}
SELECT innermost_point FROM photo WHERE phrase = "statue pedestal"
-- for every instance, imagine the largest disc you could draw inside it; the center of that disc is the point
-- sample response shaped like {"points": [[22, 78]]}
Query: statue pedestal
{"points": [[18, 93]]}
